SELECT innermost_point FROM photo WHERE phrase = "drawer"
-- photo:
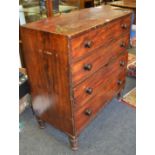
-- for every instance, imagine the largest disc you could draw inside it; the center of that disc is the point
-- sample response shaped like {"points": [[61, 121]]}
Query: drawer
{"points": [[87, 112], [85, 67], [120, 27], [91, 86], [89, 41]]}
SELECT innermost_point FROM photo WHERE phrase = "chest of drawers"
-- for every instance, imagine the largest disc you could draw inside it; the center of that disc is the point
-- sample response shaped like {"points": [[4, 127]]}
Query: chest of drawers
{"points": [[76, 64]]}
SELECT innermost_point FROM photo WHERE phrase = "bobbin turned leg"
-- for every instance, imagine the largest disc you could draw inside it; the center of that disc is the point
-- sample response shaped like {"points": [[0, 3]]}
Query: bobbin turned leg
{"points": [[41, 123], [120, 95], [73, 142]]}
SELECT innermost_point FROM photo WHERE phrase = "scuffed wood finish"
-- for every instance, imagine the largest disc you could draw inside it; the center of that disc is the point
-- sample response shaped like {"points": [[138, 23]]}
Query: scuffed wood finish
{"points": [[61, 67], [78, 22]]}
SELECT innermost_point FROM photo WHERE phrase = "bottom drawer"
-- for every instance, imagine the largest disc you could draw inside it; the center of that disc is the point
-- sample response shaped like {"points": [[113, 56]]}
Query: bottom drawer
{"points": [[88, 111]]}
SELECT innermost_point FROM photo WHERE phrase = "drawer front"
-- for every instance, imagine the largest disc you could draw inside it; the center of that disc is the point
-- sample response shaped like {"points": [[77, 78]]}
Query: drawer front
{"points": [[89, 41], [87, 112], [91, 86], [85, 67]]}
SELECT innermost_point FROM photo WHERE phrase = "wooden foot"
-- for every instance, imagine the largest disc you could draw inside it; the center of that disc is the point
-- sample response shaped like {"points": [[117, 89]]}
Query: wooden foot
{"points": [[41, 123], [33, 112], [74, 143], [120, 95]]}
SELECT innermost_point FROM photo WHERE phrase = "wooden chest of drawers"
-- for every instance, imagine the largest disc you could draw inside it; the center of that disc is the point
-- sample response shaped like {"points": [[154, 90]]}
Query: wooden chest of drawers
{"points": [[76, 64]]}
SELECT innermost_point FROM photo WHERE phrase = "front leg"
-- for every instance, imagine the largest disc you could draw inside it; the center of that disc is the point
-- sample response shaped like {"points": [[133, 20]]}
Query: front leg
{"points": [[73, 142], [41, 123], [120, 95]]}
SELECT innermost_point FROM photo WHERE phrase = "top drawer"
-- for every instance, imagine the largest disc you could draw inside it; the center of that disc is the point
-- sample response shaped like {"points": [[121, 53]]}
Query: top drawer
{"points": [[89, 41]]}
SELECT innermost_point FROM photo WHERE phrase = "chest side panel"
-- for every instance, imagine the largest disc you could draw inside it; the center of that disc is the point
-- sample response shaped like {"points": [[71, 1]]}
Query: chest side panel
{"points": [[46, 58]]}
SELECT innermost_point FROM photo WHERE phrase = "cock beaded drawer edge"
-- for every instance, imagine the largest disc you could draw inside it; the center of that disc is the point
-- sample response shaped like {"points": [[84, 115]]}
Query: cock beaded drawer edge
{"points": [[76, 64]]}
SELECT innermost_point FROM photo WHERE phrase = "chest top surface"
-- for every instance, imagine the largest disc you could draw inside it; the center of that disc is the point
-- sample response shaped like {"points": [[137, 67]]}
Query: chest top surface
{"points": [[76, 22]]}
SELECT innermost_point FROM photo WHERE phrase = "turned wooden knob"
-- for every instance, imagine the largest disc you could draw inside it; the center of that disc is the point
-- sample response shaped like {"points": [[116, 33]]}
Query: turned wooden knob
{"points": [[88, 67], [88, 112], [89, 90], [122, 63], [123, 44], [119, 82], [124, 26], [88, 44]]}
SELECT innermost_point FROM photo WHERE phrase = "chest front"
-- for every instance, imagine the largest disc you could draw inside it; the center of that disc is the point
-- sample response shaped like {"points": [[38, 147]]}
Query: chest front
{"points": [[74, 73]]}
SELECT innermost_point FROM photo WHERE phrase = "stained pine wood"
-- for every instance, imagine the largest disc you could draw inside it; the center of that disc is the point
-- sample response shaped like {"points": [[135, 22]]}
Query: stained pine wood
{"points": [[60, 66]]}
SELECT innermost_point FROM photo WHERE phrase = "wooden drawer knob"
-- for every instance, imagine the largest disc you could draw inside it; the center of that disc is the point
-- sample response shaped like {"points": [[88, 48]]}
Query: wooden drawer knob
{"points": [[123, 44], [119, 82], [124, 26], [88, 44], [89, 90], [122, 63], [88, 112], [87, 67]]}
